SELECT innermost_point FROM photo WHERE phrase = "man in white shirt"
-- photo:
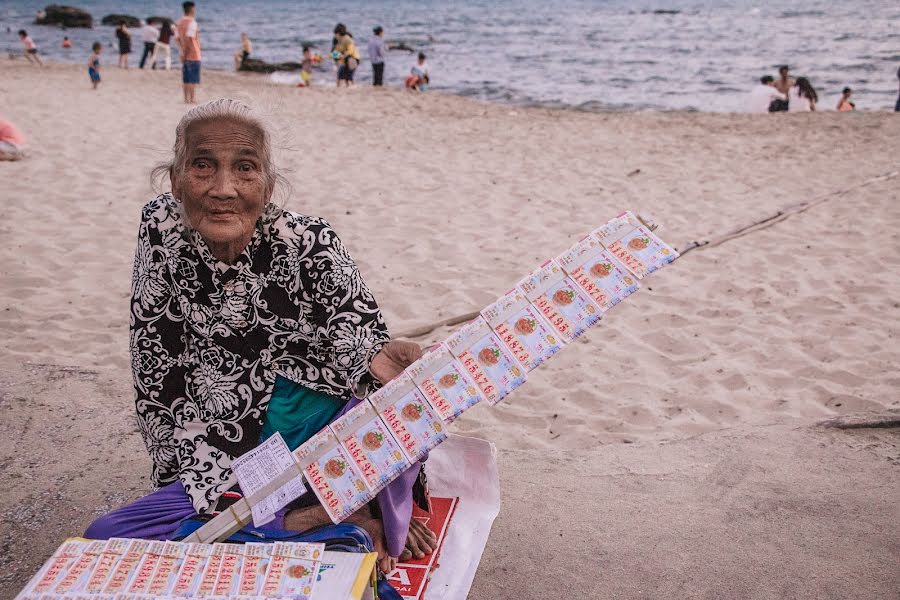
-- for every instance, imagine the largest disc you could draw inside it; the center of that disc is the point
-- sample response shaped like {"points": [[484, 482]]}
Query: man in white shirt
{"points": [[763, 94], [149, 35]]}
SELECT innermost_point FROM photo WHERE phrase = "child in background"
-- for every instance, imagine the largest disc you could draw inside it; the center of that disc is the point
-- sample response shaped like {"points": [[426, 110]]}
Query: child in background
{"points": [[31, 52], [844, 104], [418, 78], [306, 69], [67, 43], [94, 64]]}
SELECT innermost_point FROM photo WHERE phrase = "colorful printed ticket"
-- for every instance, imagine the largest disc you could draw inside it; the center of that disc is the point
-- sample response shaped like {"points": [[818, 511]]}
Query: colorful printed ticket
{"points": [[333, 476], [371, 446], [444, 383], [229, 570], [522, 329], [598, 273], [564, 304], [114, 549], [56, 568], [189, 577], [634, 244], [253, 569], [126, 567], [167, 569], [211, 571], [77, 575], [411, 420], [486, 360], [293, 570], [140, 584]]}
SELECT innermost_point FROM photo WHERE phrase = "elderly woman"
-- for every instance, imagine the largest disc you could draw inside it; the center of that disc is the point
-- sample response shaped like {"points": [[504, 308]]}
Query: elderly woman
{"points": [[246, 320]]}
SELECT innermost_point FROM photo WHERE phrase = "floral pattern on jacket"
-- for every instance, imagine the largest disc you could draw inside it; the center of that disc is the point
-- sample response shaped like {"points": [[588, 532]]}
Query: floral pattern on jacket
{"points": [[207, 339]]}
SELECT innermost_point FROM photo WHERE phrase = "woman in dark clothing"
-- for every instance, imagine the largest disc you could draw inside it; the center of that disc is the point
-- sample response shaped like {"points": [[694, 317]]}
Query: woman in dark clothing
{"points": [[124, 37]]}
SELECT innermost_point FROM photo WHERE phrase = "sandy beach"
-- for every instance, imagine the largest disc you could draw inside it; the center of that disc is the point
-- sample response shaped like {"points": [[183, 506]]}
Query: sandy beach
{"points": [[675, 451]]}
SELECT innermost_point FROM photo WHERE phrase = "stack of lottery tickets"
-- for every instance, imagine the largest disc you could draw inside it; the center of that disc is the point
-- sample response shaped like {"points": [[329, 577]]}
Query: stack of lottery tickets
{"points": [[123, 569]]}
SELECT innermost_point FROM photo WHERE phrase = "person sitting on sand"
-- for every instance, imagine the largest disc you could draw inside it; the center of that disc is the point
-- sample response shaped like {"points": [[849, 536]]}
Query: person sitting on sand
{"points": [[764, 95], [783, 85], [12, 142], [844, 104], [243, 52], [31, 51], [124, 37], [247, 320], [66, 43], [418, 76], [94, 64], [802, 97]]}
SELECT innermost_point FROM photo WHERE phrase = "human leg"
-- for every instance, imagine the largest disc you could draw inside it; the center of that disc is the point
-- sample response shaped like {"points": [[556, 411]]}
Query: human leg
{"points": [[155, 516], [168, 50], [378, 74], [148, 50]]}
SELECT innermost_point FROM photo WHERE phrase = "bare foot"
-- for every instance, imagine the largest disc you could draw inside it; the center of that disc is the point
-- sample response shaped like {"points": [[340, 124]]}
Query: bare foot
{"points": [[420, 541]]}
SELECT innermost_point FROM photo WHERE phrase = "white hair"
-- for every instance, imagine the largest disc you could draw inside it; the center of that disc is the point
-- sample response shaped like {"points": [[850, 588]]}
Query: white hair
{"points": [[225, 109]]}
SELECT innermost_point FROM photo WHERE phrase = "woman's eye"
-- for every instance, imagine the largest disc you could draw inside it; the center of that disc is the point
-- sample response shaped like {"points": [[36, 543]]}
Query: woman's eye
{"points": [[202, 164], [246, 167]]}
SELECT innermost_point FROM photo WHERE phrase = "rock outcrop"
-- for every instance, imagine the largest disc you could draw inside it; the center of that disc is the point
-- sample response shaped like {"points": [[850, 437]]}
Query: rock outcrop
{"points": [[114, 20], [65, 16], [254, 65]]}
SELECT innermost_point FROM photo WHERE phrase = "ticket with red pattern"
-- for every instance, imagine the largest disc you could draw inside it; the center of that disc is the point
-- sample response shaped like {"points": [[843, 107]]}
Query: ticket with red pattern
{"points": [[114, 549], [253, 569], [167, 568], [55, 569], [486, 360], [368, 442], [187, 583], [126, 567], [522, 329], [598, 273], [416, 426], [560, 300], [293, 570], [334, 477], [444, 383], [632, 242]]}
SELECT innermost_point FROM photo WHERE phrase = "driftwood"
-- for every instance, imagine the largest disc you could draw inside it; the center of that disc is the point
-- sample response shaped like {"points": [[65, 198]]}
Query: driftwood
{"points": [[758, 225]]}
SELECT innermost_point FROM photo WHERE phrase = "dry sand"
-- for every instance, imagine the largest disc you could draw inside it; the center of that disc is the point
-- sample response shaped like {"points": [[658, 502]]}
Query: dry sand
{"points": [[714, 375]]}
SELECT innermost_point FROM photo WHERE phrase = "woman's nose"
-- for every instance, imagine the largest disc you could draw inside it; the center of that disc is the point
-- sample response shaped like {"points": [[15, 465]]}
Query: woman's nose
{"points": [[223, 187]]}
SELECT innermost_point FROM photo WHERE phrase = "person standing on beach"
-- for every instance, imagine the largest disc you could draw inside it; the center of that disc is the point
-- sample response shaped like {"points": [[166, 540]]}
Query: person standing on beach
{"points": [[189, 41], [94, 64], [376, 55], [243, 52], [783, 85], [149, 35], [162, 45], [764, 96], [31, 51], [306, 68], [124, 37], [347, 57], [897, 106]]}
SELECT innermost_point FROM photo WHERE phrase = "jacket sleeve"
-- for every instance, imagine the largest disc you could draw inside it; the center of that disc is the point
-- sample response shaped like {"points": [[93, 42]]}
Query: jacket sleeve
{"points": [[349, 325]]}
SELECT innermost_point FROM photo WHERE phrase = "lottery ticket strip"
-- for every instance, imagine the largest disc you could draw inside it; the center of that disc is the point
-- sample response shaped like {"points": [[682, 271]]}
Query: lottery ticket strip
{"points": [[351, 460]]}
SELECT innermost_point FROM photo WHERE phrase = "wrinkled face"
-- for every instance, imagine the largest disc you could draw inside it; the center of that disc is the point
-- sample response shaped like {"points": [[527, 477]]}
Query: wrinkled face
{"points": [[223, 187]]}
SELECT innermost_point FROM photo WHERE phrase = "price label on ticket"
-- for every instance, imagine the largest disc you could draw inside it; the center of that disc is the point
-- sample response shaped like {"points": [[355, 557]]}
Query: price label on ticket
{"points": [[410, 418], [334, 478], [444, 383], [371, 446], [634, 244], [560, 300]]}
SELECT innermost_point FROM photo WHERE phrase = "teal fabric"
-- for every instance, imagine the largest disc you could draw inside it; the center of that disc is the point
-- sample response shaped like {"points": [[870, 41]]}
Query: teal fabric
{"points": [[297, 412]]}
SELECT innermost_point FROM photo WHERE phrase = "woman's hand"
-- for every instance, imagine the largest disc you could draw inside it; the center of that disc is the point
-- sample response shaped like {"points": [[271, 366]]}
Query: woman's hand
{"points": [[393, 358]]}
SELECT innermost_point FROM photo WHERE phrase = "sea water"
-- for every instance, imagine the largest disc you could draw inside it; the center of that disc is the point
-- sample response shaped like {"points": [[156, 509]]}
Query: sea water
{"points": [[602, 55]]}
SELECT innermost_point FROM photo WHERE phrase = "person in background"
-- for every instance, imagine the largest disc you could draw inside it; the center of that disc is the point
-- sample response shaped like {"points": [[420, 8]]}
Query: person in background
{"points": [[149, 35], [418, 76], [67, 43], [347, 56], [783, 85], [162, 45], [897, 106], [763, 96], [31, 51], [376, 55], [189, 42], [12, 142], [306, 68], [124, 37], [802, 96], [243, 52], [844, 104], [94, 64]]}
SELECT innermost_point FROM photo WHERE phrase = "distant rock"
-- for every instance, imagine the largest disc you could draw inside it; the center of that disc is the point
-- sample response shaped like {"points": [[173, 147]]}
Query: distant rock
{"points": [[160, 20], [114, 20], [65, 16], [254, 65]]}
